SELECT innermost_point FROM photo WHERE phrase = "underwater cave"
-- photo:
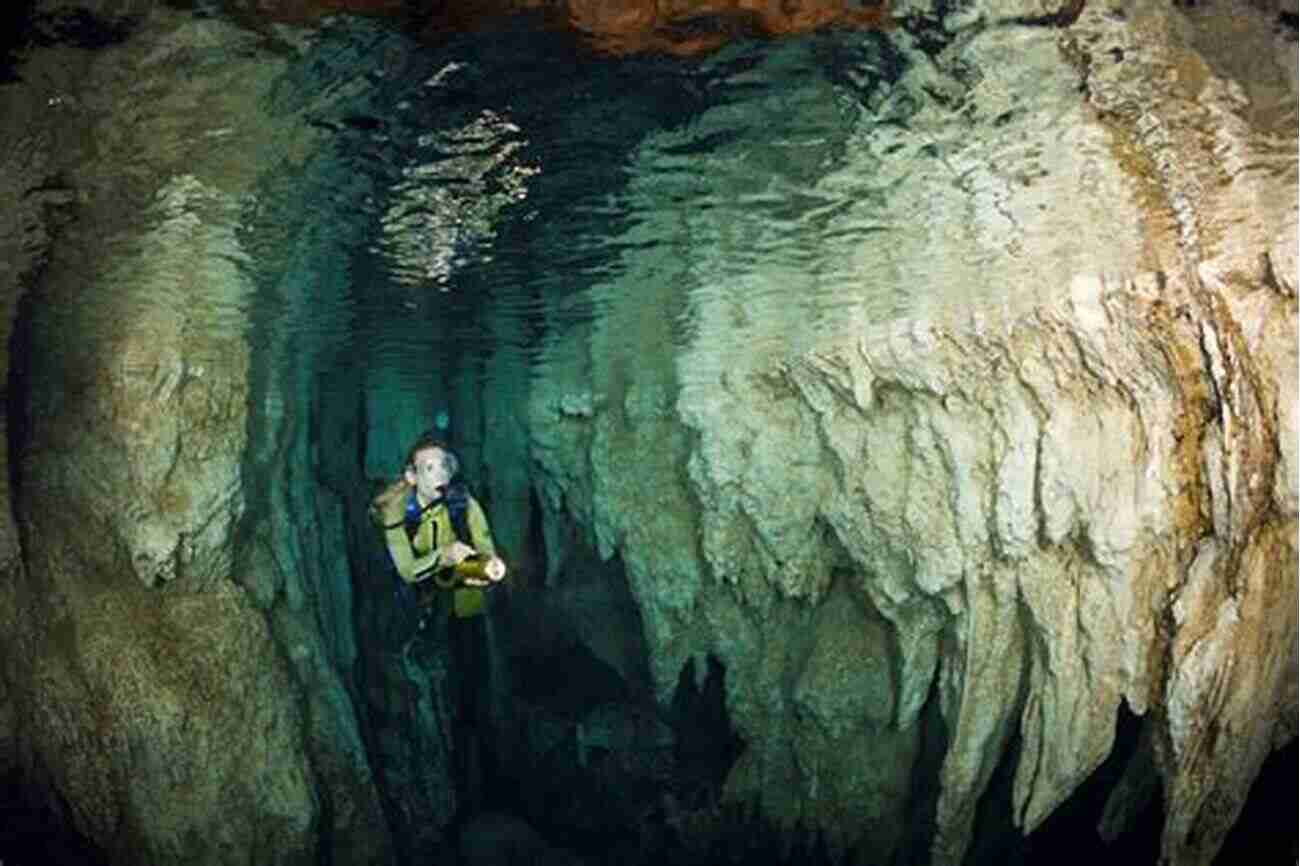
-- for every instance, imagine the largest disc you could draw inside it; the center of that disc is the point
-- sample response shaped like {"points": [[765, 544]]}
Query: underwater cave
{"points": [[885, 415]]}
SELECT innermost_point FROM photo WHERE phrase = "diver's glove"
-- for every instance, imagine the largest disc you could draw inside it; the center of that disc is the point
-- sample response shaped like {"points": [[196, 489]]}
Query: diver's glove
{"points": [[472, 572]]}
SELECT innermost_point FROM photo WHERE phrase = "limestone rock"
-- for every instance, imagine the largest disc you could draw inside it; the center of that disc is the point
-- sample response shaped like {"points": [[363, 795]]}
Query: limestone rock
{"points": [[149, 775], [1058, 469], [177, 718]]}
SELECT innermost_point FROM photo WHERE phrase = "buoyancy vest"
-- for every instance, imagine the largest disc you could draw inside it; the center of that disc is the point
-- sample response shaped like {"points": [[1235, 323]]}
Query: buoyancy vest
{"points": [[467, 601]]}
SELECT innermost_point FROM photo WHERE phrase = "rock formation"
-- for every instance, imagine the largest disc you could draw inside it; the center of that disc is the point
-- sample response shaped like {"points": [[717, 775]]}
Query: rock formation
{"points": [[680, 27], [179, 691], [1068, 482]]}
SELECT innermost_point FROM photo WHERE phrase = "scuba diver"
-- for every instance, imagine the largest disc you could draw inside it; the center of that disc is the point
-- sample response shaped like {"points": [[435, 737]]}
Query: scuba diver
{"points": [[435, 529], [441, 548]]}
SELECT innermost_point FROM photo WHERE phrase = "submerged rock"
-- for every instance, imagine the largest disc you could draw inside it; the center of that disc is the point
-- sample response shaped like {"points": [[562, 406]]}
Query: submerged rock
{"points": [[178, 715], [1060, 479]]}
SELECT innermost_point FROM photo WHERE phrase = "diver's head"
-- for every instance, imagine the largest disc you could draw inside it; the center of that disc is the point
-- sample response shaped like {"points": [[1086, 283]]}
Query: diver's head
{"points": [[430, 466]]}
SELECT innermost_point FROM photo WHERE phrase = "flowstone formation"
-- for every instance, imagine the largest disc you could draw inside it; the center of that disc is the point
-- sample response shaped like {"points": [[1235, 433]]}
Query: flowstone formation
{"points": [[1056, 475], [172, 674]]}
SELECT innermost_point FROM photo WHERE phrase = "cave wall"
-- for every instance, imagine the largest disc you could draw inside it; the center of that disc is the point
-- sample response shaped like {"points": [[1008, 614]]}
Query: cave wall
{"points": [[1060, 477], [178, 646]]}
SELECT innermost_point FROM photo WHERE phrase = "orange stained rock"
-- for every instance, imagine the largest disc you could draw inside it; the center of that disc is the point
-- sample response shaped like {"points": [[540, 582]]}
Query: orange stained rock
{"points": [[680, 27], [685, 27]]}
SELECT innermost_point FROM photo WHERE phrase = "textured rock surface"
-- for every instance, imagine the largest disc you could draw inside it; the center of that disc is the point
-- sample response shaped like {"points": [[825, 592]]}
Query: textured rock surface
{"points": [[615, 26], [177, 694], [1060, 475]]}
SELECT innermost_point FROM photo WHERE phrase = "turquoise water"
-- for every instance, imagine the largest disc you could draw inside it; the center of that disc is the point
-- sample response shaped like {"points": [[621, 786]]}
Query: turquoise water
{"points": [[509, 198], [514, 176]]}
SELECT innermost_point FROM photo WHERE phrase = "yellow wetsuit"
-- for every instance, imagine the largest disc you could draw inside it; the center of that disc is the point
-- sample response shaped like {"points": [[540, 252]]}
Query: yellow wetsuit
{"points": [[415, 555]]}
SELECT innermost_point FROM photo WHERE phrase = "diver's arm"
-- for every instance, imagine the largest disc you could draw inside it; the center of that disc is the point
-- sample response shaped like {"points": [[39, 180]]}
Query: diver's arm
{"points": [[482, 538], [410, 567], [388, 511], [479, 533]]}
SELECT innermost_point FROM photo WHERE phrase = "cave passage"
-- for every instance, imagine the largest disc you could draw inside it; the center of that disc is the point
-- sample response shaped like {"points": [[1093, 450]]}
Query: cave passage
{"points": [[487, 207], [558, 262]]}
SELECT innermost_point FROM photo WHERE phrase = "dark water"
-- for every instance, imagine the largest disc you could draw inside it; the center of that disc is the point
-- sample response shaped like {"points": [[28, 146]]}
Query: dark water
{"points": [[491, 192]]}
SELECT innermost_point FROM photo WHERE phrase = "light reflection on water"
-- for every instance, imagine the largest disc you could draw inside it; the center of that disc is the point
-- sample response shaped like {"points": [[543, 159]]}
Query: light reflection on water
{"points": [[506, 193], [445, 211], [541, 199]]}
